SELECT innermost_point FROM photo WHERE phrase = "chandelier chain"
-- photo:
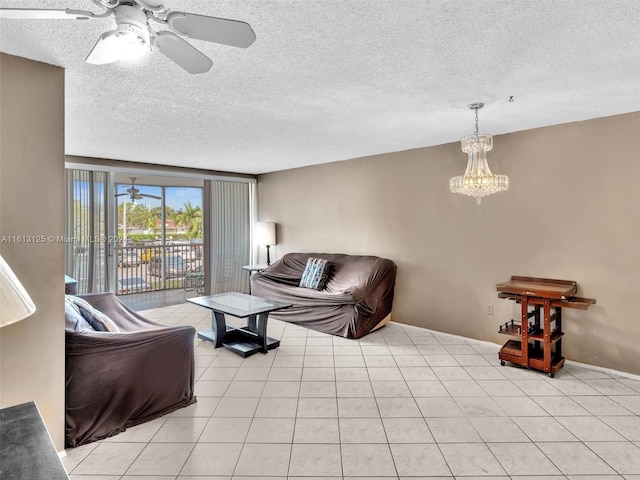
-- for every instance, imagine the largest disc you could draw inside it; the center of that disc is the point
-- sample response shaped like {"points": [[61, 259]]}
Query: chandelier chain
{"points": [[476, 109]]}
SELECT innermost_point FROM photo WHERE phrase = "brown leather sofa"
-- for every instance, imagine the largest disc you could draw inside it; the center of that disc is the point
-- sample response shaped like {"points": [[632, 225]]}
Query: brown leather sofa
{"points": [[356, 300], [118, 380]]}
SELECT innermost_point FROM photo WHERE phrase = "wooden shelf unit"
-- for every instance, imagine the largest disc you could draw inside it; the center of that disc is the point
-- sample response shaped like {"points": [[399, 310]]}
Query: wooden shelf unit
{"points": [[539, 329]]}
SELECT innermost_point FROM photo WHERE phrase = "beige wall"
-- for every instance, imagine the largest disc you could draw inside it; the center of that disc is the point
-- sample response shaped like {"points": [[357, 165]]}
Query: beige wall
{"points": [[573, 212], [32, 204]]}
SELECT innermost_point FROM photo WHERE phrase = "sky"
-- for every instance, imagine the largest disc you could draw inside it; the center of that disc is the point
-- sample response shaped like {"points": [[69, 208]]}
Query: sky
{"points": [[176, 196]]}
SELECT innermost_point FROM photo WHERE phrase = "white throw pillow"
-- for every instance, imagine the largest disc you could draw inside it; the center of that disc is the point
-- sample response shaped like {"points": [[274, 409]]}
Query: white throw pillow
{"points": [[98, 320], [73, 319]]}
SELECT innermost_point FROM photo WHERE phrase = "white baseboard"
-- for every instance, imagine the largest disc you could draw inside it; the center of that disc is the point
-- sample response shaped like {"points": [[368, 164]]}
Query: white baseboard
{"points": [[609, 371]]}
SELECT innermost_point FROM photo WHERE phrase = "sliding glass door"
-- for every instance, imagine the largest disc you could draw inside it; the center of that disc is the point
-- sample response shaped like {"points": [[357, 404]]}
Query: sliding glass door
{"points": [[157, 237], [160, 238]]}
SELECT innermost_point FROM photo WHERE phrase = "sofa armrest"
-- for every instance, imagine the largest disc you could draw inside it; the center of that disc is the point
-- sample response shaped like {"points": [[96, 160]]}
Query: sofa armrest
{"points": [[371, 287], [126, 319]]}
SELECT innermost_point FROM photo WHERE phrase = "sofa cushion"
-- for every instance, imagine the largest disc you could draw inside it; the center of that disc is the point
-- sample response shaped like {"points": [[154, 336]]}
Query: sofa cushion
{"points": [[315, 273], [73, 319], [98, 320]]}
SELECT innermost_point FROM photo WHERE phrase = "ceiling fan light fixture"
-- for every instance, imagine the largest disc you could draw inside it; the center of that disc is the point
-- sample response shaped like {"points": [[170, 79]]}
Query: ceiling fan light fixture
{"points": [[132, 35], [131, 38], [132, 26]]}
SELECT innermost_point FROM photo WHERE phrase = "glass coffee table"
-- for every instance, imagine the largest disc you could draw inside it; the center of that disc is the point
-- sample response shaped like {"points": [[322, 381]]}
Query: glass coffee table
{"points": [[245, 340]]}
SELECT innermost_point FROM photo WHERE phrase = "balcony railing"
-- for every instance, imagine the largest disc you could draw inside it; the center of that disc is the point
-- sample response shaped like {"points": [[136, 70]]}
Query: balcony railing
{"points": [[158, 267]]}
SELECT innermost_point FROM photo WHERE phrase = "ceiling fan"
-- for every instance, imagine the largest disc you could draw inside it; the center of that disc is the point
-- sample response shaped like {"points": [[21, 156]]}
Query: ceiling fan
{"points": [[134, 193], [133, 30]]}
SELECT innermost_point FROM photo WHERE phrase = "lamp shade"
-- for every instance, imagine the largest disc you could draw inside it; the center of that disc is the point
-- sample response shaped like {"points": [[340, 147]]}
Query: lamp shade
{"points": [[265, 233], [15, 303]]}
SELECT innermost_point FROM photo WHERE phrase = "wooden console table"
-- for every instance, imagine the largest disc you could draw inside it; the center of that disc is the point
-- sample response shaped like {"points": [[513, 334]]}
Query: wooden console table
{"points": [[539, 330]]}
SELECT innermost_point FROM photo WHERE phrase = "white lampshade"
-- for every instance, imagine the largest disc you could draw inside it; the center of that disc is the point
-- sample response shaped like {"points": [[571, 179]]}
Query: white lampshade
{"points": [[265, 233], [15, 303]]}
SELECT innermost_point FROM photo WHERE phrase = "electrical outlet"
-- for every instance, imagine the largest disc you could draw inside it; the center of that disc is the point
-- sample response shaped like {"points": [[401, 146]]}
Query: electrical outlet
{"points": [[489, 310]]}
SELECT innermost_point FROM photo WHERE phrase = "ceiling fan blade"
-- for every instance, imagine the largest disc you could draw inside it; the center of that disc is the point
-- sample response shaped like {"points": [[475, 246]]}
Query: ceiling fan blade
{"points": [[120, 194], [185, 55], [212, 29], [40, 14], [150, 196], [151, 4], [106, 49]]}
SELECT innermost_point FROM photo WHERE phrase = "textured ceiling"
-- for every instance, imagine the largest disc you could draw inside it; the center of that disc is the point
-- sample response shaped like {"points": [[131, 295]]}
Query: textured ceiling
{"points": [[335, 79]]}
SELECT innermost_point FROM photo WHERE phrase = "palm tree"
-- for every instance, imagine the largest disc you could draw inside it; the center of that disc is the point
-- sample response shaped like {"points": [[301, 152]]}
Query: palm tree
{"points": [[191, 217]]}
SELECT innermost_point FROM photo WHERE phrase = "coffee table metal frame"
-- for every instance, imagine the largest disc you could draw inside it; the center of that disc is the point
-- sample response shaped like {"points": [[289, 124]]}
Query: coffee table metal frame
{"points": [[248, 339]]}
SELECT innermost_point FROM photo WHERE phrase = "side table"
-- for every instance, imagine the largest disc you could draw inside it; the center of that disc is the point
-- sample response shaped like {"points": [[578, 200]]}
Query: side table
{"points": [[70, 285], [254, 268]]}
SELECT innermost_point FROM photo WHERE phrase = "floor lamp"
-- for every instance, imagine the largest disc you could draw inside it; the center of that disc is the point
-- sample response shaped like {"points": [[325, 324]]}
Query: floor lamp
{"points": [[266, 235]]}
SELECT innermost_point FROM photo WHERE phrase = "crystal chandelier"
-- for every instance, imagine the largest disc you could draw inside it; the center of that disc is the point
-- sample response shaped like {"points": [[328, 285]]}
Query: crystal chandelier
{"points": [[478, 181]]}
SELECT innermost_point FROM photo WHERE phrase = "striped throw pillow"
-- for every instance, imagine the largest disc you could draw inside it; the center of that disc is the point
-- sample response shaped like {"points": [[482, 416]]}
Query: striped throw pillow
{"points": [[315, 274]]}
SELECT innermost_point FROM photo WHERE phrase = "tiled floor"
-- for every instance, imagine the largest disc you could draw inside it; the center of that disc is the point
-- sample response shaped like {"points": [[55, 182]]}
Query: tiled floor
{"points": [[401, 402]]}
